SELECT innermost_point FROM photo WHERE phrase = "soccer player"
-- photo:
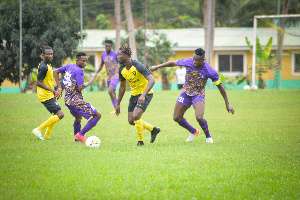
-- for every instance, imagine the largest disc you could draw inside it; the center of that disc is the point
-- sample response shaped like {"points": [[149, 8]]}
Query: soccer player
{"points": [[193, 92], [47, 94], [73, 85], [109, 58], [141, 82]]}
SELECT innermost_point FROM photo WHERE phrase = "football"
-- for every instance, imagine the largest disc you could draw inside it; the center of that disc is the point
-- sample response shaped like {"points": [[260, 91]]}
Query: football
{"points": [[93, 141]]}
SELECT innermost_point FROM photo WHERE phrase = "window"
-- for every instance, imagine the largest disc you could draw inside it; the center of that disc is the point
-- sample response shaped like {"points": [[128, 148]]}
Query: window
{"points": [[296, 64], [92, 59], [231, 63]]}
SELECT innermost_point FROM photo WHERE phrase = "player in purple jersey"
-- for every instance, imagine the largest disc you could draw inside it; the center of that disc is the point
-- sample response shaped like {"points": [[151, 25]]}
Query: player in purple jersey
{"points": [[193, 92], [73, 85], [109, 58]]}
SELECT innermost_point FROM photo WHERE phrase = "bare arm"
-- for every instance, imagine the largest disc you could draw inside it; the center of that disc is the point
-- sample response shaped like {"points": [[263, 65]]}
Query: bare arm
{"points": [[223, 93], [151, 82], [166, 64], [120, 96], [99, 69], [85, 85], [56, 77]]}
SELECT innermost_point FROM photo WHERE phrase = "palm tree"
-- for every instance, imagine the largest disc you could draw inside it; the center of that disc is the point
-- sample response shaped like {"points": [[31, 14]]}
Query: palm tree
{"points": [[130, 27], [118, 23]]}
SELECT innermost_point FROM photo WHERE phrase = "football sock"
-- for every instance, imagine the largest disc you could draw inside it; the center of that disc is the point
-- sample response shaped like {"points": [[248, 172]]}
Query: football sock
{"points": [[52, 120], [187, 126], [204, 127], [48, 130], [139, 129], [147, 126], [114, 102], [89, 125], [77, 127]]}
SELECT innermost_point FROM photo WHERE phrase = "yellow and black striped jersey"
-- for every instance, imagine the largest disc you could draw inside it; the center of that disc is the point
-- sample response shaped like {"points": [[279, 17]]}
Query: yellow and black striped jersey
{"points": [[136, 77], [45, 73]]}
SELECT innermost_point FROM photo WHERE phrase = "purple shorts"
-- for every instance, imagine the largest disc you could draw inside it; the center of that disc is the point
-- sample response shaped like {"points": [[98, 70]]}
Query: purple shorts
{"points": [[86, 110], [113, 82], [187, 100]]}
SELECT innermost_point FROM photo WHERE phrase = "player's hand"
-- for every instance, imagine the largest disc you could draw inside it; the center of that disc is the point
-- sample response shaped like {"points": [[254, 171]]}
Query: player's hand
{"points": [[118, 110], [141, 100], [153, 68], [90, 80], [230, 109], [58, 93]]}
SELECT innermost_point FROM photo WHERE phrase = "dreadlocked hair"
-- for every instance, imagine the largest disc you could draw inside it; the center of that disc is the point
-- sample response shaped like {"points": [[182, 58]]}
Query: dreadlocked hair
{"points": [[126, 49], [200, 52]]}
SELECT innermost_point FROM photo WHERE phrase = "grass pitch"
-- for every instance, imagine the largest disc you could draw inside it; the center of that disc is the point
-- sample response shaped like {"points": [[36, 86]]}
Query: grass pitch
{"points": [[255, 154]]}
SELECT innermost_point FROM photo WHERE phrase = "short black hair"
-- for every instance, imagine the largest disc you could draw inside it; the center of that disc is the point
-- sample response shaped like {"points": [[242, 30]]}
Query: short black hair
{"points": [[108, 41], [78, 55], [126, 49], [45, 47], [200, 52]]}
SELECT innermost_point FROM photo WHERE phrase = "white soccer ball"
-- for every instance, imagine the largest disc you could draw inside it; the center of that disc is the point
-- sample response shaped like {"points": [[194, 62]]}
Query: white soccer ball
{"points": [[93, 141]]}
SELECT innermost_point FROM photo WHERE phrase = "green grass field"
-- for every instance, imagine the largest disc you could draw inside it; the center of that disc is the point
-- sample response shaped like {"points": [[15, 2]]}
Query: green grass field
{"points": [[255, 154]]}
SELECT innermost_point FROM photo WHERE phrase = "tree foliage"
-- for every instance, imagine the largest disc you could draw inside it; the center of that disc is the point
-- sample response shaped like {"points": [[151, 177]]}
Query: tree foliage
{"points": [[42, 26]]}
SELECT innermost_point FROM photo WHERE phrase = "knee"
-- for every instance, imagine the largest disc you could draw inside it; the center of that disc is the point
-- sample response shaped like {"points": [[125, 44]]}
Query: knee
{"points": [[60, 114], [98, 115], [199, 119], [78, 119], [131, 122], [177, 118]]}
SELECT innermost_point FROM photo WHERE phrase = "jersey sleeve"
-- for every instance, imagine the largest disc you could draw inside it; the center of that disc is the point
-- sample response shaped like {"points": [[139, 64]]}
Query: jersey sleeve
{"points": [[185, 62], [214, 76], [121, 77], [141, 68], [42, 71], [62, 69], [102, 61]]}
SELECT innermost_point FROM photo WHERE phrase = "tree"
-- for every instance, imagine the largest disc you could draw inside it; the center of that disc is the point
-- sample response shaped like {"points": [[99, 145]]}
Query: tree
{"points": [[102, 22], [118, 24], [43, 25], [159, 50], [130, 27]]}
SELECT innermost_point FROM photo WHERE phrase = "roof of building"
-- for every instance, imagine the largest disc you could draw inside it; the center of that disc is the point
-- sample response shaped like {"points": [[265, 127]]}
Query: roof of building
{"points": [[189, 39]]}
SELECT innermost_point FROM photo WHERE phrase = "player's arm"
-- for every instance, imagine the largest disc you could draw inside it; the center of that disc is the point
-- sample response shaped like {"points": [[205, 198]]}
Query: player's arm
{"points": [[98, 70], [86, 84], [223, 93], [122, 89], [166, 64], [151, 82], [59, 89]]}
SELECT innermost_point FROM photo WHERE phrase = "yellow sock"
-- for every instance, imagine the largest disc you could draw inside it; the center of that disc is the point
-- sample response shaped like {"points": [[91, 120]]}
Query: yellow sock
{"points": [[48, 130], [147, 126], [139, 129], [52, 120]]}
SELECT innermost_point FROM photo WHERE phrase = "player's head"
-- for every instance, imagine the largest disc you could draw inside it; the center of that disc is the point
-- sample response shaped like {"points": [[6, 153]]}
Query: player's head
{"points": [[199, 57], [47, 53], [81, 59], [124, 53], [108, 45]]}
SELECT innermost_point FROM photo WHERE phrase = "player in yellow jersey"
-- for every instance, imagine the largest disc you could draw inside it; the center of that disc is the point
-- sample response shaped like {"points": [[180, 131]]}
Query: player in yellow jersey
{"points": [[141, 82], [47, 95]]}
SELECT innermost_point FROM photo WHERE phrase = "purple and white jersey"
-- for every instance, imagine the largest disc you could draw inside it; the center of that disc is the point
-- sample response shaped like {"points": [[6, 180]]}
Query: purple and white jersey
{"points": [[111, 64], [72, 79], [196, 78]]}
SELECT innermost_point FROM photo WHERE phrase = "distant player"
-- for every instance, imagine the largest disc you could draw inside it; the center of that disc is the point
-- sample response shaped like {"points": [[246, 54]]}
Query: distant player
{"points": [[109, 58], [141, 82], [74, 84], [193, 92], [47, 94]]}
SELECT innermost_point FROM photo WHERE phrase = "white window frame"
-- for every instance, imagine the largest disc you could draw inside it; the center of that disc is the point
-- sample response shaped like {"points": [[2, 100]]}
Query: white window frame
{"points": [[96, 58], [231, 53], [293, 65]]}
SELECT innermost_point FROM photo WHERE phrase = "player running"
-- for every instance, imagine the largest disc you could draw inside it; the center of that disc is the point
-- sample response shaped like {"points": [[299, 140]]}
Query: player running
{"points": [[141, 82], [193, 92]]}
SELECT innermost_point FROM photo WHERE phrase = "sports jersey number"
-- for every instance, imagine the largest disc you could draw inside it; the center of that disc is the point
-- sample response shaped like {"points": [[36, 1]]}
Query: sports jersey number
{"points": [[180, 99]]}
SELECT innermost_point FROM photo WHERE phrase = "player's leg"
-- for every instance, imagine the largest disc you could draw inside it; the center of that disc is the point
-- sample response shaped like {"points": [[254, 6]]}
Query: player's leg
{"points": [[112, 93], [86, 110], [77, 125], [199, 107], [53, 107], [182, 104], [60, 115]]}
